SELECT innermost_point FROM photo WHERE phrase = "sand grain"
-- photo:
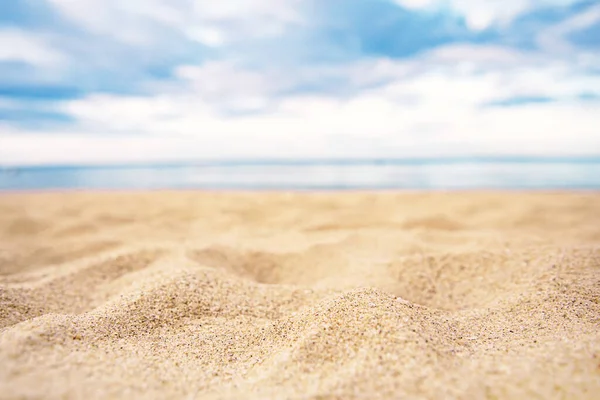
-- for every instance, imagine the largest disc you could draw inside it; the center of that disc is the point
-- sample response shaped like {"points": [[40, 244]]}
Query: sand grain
{"points": [[278, 295]]}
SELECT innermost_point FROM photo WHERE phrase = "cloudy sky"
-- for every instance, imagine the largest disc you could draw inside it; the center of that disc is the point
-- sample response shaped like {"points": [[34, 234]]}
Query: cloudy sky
{"points": [[146, 80]]}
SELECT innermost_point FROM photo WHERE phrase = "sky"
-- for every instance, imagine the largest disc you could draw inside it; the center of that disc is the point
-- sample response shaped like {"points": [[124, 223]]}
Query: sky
{"points": [[113, 81]]}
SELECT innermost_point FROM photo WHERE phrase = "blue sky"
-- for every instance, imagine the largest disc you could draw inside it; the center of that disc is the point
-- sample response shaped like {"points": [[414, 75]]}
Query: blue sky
{"points": [[100, 81]]}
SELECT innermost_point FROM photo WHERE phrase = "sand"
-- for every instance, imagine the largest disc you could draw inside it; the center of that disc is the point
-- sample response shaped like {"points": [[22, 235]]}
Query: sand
{"points": [[296, 296]]}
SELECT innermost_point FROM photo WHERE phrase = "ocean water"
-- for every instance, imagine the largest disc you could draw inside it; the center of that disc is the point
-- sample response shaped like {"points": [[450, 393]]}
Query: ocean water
{"points": [[459, 173]]}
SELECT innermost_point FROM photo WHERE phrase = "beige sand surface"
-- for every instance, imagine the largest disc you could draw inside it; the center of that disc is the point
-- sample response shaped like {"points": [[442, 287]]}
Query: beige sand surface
{"points": [[275, 295]]}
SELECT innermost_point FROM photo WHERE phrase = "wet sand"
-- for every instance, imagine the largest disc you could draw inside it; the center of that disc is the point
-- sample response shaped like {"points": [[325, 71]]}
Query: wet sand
{"points": [[278, 295]]}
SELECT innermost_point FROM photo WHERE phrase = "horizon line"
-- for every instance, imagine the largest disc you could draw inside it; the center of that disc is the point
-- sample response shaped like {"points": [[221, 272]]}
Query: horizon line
{"points": [[310, 161]]}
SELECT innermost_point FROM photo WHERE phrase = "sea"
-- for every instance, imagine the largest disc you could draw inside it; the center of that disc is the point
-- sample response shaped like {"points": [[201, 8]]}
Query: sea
{"points": [[465, 173]]}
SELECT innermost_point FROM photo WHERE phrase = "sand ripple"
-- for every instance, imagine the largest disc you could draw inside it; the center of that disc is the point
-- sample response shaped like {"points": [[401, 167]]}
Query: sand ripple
{"points": [[265, 295]]}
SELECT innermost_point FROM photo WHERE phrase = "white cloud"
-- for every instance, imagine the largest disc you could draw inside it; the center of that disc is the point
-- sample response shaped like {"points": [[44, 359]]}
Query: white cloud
{"points": [[432, 104], [426, 106], [224, 85], [362, 128], [211, 37], [211, 23], [480, 14], [489, 56], [134, 22], [22, 46], [553, 39]]}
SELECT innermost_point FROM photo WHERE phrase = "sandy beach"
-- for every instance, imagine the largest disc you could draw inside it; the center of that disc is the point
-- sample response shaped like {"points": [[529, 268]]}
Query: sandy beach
{"points": [[299, 295]]}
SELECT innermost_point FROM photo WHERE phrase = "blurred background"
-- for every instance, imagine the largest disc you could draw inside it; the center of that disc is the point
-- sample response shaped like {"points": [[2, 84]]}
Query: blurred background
{"points": [[324, 94]]}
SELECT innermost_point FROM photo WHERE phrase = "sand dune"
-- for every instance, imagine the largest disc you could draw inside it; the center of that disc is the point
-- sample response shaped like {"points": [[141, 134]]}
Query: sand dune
{"points": [[277, 295]]}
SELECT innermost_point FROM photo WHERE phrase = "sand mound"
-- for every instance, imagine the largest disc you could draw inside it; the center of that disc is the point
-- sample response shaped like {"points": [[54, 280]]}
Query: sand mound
{"points": [[265, 295]]}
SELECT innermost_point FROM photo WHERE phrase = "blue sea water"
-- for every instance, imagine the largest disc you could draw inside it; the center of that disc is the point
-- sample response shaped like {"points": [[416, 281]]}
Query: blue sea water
{"points": [[456, 173]]}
